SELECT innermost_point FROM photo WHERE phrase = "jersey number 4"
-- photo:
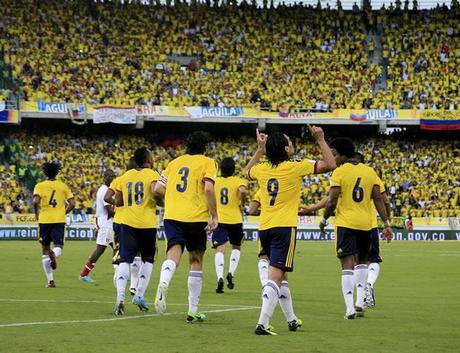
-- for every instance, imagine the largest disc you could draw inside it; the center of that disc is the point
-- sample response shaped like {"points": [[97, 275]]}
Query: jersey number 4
{"points": [[52, 200]]}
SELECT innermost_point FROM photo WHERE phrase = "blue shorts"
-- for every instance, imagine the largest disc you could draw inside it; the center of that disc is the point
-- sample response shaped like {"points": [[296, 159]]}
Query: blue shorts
{"points": [[262, 251], [51, 232], [353, 242], [189, 235], [279, 245], [227, 232], [116, 243], [116, 231], [134, 240], [374, 251]]}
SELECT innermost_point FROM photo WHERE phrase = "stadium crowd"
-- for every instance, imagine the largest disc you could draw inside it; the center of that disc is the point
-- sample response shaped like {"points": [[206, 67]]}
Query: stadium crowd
{"points": [[422, 178], [228, 55]]}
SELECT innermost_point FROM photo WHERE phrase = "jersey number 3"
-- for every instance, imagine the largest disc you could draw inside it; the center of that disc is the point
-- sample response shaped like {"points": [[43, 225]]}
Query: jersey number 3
{"points": [[182, 186]]}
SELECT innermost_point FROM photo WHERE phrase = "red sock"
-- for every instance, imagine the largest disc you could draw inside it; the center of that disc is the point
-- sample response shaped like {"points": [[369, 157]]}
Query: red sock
{"points": [[87, 269]]}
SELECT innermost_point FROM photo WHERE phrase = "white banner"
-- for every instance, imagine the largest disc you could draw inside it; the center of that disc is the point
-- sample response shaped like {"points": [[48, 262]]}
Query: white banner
{"points": [[117, 115]]}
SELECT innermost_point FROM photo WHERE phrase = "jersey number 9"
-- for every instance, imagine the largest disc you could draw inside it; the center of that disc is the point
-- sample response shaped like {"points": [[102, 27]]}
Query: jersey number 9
{"points": [[273, 187]]}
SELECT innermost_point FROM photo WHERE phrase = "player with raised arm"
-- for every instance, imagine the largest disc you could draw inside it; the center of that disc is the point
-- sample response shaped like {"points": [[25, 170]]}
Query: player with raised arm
{"points": [[187, 186], [230, 193], [117, 221], [52, 201], [104, 222], [138, 228], [280, 181], [354, 187]]}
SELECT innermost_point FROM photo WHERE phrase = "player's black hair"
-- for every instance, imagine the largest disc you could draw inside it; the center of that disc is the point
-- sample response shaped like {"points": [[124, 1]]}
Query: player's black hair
{"points": [[227, 167], [141, 155], [344, 147], [131, 163], [359, 157], [275, 148], [197, 141], [51, 169]]}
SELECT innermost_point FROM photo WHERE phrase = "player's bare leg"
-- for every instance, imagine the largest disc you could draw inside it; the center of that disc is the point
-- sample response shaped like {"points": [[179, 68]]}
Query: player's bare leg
{"points": [[95, 255]]}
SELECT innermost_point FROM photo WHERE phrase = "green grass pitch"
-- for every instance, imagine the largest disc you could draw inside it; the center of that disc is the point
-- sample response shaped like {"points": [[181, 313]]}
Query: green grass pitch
{"points": [[418, 305]]}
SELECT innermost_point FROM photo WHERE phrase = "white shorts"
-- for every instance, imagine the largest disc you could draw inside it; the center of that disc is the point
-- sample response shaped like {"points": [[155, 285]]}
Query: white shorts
{"points": [[104, 236]]}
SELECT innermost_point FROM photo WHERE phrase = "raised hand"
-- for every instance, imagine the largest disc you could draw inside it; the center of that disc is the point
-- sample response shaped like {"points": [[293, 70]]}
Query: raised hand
{"points": [[316, 132]]}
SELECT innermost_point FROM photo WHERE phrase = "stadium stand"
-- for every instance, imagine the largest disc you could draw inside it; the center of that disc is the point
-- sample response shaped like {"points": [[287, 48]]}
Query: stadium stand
{"points": [[234, 56], [421, 177]]}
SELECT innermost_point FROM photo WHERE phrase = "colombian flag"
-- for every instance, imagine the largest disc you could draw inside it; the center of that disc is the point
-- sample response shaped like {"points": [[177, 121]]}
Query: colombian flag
{"points": [[9, 116], [433, 124]]}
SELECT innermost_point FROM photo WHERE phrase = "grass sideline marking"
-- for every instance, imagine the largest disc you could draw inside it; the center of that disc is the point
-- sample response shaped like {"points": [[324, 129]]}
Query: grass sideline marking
{"points": [[36, 323], [67, 301]]}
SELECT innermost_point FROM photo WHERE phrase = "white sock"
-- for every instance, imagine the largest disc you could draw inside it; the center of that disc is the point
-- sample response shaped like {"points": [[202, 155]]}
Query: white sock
{"points": [[348, 285], [360, 280], [47, 268], [122, 279], [135, 267], [144, 278], [167, 271], [234, 259], [263, 271], [373, 273], [57, 251], [270, 296], [115, 268], [219, 263], [195, 282], [286, 301]]}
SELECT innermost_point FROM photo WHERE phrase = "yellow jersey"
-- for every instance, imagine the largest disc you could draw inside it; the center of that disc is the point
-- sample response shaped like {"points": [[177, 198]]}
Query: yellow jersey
{"points": [[374, 210], [139, 207], [184, 178], [354, 207], [280, 188], [256, 196], [53, 195], [228, 200], [118, 217]]}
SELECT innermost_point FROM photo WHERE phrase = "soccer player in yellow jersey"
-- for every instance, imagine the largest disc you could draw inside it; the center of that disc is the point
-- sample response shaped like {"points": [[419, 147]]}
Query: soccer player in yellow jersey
{"points": [[138, 226], [187, 185], [354, 187], [230, 193], [52, 201], [117, 220], [374, 258], [280, 180]]}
